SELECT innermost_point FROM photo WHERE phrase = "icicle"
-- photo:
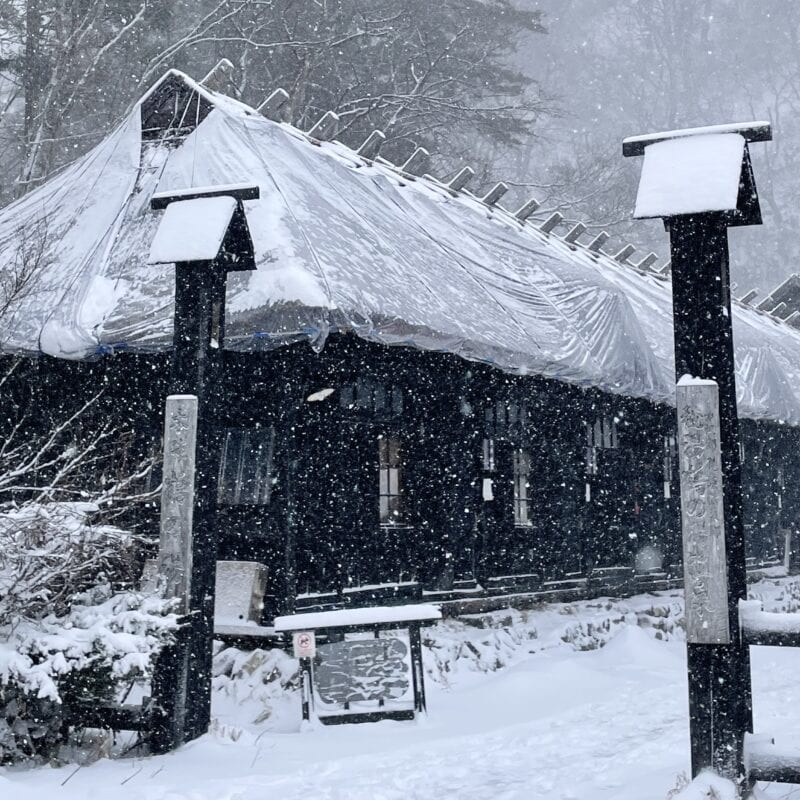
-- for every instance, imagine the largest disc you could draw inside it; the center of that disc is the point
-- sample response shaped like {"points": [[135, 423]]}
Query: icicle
{"points": [[494, 194], [524, 211], [273, 107], [325, 129], [372, 145]]}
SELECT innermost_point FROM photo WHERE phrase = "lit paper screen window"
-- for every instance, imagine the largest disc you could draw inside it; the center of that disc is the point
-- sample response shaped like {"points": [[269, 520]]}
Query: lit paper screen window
{"points": [[522, 471], [390, 480]]}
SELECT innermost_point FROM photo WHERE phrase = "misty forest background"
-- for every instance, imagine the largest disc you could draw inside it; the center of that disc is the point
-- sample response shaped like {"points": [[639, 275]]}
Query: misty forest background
{"points": [[538, 93]]}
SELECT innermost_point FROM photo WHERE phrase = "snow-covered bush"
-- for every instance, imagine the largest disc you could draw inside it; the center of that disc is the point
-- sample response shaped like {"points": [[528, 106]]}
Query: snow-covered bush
{"points": [[66, 637], [51, 551], [104, 644], [254, 684]]}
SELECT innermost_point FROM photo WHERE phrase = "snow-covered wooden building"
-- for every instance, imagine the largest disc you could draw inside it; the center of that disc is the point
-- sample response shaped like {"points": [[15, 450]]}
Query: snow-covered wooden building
{"points": [[422, 390]]}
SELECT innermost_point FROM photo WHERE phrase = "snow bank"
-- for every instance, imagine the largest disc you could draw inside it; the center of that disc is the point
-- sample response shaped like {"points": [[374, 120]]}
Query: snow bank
{"points": [[708, 786]]}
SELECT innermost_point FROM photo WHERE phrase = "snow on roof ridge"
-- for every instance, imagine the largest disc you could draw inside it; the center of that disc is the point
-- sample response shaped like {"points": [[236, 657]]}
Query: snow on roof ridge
{"points": [[489, 200], [564, 248]]}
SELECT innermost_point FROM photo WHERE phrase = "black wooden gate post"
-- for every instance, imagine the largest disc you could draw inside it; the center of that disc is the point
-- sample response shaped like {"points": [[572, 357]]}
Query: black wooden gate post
{"points": [[720, 705], [719, 674], [197, 369]]}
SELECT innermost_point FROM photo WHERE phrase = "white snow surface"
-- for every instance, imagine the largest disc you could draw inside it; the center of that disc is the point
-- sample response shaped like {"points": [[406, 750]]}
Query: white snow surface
{"points": [[688, 380], [578, 701], [357, 616], [192, 230], [727, 127], [690, 175], [343, 244]]}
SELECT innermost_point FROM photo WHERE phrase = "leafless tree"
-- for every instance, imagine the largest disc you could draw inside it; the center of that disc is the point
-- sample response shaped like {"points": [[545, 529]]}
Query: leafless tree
{"points": [[423, 72]]}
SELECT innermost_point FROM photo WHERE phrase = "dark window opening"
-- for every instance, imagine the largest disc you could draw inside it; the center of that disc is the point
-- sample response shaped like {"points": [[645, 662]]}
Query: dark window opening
{"points": [[246, 473], [670, 459], [504, 416], [369, 395]]}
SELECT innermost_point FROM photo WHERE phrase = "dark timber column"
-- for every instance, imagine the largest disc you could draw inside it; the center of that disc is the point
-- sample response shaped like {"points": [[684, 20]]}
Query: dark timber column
{"points": [[204, 233], [197, 370], [701, 182], [719, 674]]}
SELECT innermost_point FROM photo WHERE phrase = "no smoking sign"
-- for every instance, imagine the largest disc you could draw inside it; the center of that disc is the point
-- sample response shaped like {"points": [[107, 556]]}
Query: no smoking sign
{"points": [[305, 644]]}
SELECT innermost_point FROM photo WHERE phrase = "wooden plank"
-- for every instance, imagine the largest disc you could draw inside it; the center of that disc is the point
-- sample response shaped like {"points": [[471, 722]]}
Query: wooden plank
{"points": [[113, 717], [751, 131], [161, 200], [177, 499], [704, 555]]}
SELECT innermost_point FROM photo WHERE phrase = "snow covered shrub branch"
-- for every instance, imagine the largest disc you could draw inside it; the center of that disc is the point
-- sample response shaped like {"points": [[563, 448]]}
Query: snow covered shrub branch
{"points": [[86, 656], [68, 636], [49, 553]]}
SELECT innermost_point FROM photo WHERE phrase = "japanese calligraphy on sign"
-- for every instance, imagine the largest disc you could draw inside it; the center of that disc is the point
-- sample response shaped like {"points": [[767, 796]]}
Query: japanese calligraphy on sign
{"points": [[177, 498], [702, 515]]}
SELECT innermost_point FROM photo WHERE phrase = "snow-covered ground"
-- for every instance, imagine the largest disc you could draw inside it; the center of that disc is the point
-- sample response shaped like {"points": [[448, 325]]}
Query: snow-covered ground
{"points": [[581, 700]]}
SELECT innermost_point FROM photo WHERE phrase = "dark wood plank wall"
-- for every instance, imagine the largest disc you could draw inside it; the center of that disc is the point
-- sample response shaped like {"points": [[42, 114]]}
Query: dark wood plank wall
{"points": [[321, 530]]}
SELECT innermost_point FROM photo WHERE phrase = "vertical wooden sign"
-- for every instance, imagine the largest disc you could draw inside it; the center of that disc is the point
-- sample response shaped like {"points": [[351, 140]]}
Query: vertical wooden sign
{"points": [[702, 513], [177, 498]]}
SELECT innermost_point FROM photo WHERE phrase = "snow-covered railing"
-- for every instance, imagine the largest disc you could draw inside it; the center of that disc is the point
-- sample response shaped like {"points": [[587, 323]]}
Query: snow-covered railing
{"points": [[761, 627], [766, 760]]}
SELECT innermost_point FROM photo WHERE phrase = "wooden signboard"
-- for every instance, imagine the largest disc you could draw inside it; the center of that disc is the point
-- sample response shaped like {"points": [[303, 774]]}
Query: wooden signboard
{"points": [[704, 561]]}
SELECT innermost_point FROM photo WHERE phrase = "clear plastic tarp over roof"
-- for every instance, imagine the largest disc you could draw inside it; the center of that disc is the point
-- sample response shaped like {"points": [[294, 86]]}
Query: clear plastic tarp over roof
{"points": [[343, 244]]}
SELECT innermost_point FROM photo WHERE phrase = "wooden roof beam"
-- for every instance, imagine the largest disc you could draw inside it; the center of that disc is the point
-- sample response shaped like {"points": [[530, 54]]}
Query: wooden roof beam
{"points": [[575, 233], [326, 127], [526, 209], [461, 179], [494, 194], [371, 146], [275, 105], [647, 262], [552, 222], [622, 256], [417, 162]]}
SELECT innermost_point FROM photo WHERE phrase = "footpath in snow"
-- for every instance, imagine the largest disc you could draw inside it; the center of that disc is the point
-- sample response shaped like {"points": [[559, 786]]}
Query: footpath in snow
{"points": [[567, 701]]}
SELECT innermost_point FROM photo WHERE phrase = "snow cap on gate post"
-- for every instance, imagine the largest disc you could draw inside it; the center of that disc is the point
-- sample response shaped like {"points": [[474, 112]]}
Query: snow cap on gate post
{"points": [[204, 224], [699, 171]]}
